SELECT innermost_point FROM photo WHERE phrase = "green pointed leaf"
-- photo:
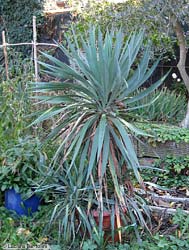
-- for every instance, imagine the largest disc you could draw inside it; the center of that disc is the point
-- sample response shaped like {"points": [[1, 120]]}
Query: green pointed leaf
{"points": [[147, 91], [114, 178], [106, 151], [102, 129], [93, 154], [81, 135]]}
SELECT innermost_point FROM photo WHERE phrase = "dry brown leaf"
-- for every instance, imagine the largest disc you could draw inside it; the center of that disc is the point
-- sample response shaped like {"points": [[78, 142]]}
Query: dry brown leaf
{"points": [[172, 204], [163, 203]]}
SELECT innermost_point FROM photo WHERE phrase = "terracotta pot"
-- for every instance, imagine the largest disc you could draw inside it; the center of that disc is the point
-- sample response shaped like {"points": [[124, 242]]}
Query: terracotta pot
{"points": [[106, 219], [60, 3], [106, 225]]}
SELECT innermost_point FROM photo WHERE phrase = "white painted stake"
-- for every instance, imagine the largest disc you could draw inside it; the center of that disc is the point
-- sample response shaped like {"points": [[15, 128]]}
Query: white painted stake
{"points": [[5, 54], [35, 49]]}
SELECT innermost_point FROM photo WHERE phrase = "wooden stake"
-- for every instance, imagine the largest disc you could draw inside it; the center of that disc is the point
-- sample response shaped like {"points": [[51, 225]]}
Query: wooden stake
{"points": [[167, 198], [19, 44], [5, 55], [35, 49], [161, 210]]}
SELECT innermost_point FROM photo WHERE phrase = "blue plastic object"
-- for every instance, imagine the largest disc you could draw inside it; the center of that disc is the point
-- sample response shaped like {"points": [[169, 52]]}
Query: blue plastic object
{"points": [[13, 201]]}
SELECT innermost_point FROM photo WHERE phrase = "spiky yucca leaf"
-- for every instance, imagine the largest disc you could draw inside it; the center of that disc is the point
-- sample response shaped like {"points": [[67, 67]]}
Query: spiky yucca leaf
{"points": [[97, 92]]}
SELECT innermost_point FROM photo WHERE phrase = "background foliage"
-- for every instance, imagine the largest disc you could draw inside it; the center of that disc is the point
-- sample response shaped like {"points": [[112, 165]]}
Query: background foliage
{"points": [[161, 105], [130, 15], [175, 174], [14, 99], [164, 132], [153, 16], [16, 19]]}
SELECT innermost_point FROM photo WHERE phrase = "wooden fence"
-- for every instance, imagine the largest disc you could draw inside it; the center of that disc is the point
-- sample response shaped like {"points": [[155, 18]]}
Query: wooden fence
{"points": [[34, 44]]}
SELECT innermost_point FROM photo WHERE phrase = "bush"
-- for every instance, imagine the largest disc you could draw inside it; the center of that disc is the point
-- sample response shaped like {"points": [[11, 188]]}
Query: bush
{"points": [[162, 105], [175, 172], [16, 19], [14, 101]]}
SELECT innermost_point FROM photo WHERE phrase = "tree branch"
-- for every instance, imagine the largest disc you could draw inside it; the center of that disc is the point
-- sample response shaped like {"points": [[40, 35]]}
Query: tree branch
{"points": [[183, 51]]}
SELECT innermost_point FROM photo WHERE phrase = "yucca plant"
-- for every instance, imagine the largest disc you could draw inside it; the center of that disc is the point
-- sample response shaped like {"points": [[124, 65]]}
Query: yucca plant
{"points": [[93, 126], [162, 105], [70, 198]]}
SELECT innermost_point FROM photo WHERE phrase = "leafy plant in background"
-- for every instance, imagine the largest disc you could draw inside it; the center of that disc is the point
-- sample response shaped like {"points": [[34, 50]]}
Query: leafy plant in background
{"points": [[24, 230], [16, 20], [182, 220], [125, 14], [94, 127], [14, 100], [175, 174], [162, 132], [21, 164], [19, 67], [162, 105], [179, 241], [162, 242], [178, 87]]}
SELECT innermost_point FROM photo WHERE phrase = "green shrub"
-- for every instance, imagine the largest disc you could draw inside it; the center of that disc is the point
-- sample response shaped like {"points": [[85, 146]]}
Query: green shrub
{"points": [[175, 172], [162, 105], [163, 132], [21, 165], [177, 241], [125, 14], [23, 230], [14, 100], [16, 20]]}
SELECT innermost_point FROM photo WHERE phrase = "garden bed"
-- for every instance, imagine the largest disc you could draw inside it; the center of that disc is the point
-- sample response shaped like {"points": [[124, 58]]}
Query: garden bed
{"points": [[163, 140], [166, 202], [167, 189], [161, 149]]}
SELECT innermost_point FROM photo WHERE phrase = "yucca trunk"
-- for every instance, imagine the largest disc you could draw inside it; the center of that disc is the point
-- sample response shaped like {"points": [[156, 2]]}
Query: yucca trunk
{"points": [[182, 63]]}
